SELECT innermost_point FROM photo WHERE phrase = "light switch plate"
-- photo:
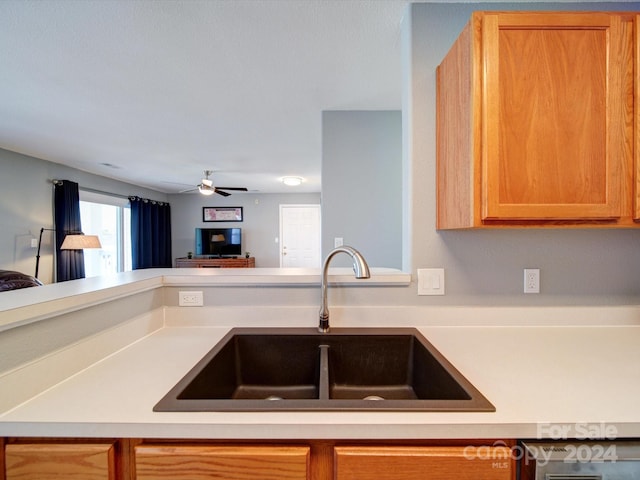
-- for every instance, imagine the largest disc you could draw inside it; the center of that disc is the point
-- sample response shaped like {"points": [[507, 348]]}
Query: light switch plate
{"points": [[431, 281]]}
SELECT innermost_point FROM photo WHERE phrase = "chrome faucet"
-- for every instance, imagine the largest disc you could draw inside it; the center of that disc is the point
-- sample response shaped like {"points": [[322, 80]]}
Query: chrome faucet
{"points": [[360, 268]]}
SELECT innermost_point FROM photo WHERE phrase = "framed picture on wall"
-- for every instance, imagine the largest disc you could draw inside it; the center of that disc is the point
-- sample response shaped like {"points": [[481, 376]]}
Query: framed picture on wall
{"points": [[222, 214]]}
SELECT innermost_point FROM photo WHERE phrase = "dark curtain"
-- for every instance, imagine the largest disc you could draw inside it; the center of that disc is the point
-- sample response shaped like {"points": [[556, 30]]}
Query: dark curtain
{"points": [[69, 263], [150, 233]]}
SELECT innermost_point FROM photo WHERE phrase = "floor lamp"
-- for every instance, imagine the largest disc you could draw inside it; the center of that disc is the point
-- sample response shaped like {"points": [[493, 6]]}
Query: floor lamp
{"points": [[72, 241]]}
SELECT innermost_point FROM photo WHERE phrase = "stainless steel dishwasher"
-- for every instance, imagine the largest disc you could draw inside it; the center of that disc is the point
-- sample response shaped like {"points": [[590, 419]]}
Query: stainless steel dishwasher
{"points": [[578, 460]]}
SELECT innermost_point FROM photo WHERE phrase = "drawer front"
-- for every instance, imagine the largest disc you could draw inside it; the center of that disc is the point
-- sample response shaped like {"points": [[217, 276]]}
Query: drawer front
{"points": [[197, 462], [55, 461], [423, 463]]}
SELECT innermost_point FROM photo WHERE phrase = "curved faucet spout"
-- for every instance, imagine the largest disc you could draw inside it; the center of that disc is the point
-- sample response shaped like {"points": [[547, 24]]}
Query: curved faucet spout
{"points": [[360, 268]]}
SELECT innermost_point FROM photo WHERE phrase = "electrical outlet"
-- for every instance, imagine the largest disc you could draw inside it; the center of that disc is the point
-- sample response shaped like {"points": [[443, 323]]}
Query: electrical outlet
{"points": [[531, 280], [190, 299], [338, 242], [34, 243]]}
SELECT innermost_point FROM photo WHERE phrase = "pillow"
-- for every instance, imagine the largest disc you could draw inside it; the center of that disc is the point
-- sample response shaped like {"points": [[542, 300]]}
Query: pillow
{"points": [[10, 280]]}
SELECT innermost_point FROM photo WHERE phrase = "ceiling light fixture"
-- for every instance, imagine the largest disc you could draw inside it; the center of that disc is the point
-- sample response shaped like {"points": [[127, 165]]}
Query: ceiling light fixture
{"points": [[205, 190], [292, 181]]}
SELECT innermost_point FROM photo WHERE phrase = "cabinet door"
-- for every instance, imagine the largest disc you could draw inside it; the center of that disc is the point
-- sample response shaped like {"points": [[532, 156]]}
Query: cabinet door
{"points": [[423, 463], [199, 462], [55, 461], [636, 193], [557, 115]]}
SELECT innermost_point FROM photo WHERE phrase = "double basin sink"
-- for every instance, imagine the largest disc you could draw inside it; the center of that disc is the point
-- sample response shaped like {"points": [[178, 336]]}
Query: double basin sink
{"points": [[301, 369]]}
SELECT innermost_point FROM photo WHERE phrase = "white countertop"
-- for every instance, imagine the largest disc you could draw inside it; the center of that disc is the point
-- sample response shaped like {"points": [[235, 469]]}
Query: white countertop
{"points": [[549, 371], [541, 379]]}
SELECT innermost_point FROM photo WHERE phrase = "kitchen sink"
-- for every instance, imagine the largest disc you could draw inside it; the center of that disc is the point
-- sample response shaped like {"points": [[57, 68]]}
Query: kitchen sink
{"points": [[270, 369]]}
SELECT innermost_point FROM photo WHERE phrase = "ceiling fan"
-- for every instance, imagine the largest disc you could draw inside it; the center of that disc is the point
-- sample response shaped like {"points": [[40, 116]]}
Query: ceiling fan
{"points": [[205, 187]]}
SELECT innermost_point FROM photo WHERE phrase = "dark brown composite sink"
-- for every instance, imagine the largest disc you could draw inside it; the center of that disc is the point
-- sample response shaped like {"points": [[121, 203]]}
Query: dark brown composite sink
{"points": [[270, 369]]}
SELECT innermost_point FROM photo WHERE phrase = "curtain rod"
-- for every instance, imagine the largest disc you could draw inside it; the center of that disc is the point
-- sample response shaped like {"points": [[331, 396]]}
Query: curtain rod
{"points": [[93, 190]]}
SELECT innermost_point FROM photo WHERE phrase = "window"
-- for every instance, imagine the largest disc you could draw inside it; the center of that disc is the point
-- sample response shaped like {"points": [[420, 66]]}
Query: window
{"points": [[109, 217]]}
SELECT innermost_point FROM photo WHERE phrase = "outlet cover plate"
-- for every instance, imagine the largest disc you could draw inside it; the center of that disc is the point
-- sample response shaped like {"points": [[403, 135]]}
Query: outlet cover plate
{"points": [[190, 299], [531, 280]]}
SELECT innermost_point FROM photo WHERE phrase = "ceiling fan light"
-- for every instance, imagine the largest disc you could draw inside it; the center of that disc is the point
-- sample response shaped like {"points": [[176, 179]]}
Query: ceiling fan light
{"points": [[207, 182], [292, 181], [205, 190]]}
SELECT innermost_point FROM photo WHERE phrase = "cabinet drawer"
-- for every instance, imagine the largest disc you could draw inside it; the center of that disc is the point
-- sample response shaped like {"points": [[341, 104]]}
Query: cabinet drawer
{"points": [[56, 461], [423, 463], [197, 462]]}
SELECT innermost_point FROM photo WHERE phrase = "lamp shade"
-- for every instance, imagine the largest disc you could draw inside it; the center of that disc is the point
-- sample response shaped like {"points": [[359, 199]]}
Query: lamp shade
{"points": [[80, 242]]}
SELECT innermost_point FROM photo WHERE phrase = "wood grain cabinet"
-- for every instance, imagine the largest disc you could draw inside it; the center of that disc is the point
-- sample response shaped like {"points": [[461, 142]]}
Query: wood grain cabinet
{"points": [[423, 463], [164, 459], [42, 461], [535, 121], [197, 462], [240, 262]]}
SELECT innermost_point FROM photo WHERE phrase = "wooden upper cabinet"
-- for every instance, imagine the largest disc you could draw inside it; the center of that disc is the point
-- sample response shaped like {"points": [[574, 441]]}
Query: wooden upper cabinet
{"points": [[636, 192], [535, 121]]}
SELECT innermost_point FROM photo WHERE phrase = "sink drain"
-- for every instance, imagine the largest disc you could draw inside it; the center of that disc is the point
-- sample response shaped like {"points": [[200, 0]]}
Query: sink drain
{"points": [[373, 397]]}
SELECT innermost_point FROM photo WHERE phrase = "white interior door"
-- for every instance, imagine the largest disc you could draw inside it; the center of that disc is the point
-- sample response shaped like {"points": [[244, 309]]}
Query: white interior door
{"points": [[300, 236]]}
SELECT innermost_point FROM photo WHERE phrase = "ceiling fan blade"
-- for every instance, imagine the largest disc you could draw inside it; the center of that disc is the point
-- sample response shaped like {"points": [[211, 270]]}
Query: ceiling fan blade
{"points": [[220, 192], [189, 190], [239, 189]]}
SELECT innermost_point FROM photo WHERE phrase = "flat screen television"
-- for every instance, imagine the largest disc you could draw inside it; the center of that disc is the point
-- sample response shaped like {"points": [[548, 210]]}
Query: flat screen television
{"points": [[219, 242]]}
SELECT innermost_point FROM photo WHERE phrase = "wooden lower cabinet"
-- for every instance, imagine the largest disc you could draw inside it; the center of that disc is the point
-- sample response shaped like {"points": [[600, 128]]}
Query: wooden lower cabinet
{"points": [[198, 462], [158, 459], [44, 461], [423, 463]]}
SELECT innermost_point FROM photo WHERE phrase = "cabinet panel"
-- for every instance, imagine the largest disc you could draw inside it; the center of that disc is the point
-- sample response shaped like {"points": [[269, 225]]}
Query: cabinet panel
{"points": [[55, 461], [636, 191], [554, 102], [536, 121], [423, 463], [199, 462]]}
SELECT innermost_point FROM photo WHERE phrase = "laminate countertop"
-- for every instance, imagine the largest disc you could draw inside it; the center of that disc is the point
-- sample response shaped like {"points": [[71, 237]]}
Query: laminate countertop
{"points": [[567, 381]]}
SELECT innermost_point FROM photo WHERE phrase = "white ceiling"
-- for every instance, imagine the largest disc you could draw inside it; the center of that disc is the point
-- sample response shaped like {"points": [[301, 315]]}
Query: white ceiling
{"points": [[153, 92]]}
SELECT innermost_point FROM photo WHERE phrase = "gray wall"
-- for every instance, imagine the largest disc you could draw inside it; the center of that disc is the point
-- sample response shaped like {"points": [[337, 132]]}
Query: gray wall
{"points": [[362, 184], [260, 227], [577, 266], [26, 205]]}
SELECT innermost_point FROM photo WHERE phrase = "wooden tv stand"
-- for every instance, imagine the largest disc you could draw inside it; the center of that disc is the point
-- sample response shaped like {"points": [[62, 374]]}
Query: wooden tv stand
{"points": [[215, 262]]}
